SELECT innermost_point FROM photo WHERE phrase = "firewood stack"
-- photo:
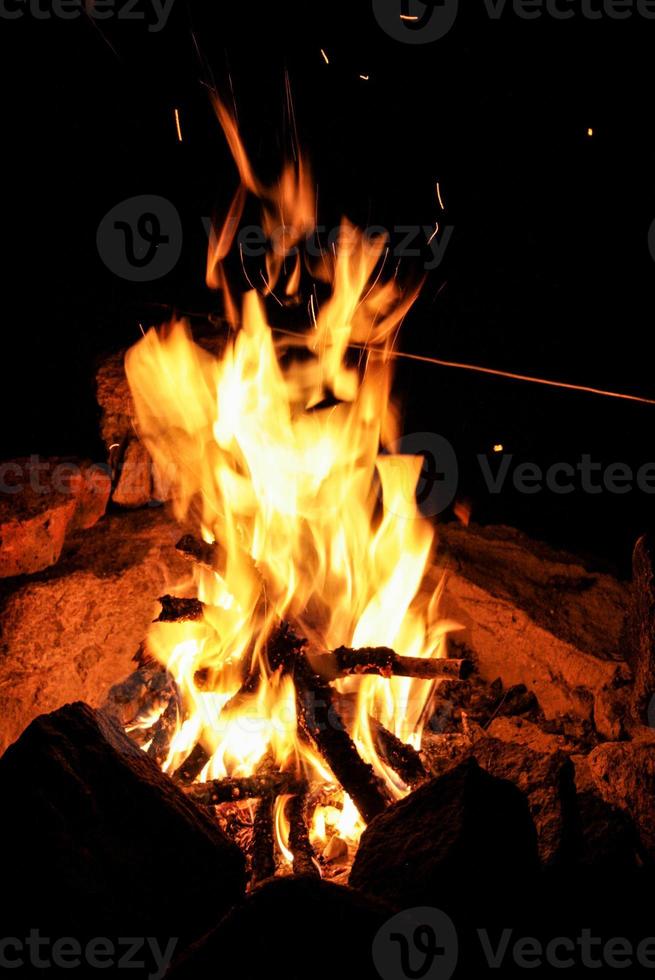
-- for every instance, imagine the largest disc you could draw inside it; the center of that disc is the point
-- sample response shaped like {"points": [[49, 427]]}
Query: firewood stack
{"points": [[320, 710]]}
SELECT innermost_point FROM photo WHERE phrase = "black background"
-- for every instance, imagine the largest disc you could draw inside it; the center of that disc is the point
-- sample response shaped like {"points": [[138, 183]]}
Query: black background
{"points": [[548, 271]]}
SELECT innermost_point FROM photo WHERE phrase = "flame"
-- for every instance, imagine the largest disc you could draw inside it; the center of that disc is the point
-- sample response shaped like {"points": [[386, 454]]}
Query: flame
{"points": [[281, 453]]}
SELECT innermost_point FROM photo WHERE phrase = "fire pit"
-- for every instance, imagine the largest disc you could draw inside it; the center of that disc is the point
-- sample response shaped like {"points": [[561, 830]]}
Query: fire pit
{"points": [[325, 697]]}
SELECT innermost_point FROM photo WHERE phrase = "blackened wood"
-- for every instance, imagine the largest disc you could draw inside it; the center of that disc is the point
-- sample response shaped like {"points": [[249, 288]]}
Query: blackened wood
{"points": [[344, 662], [193, 765], [403, 758], [164, 729], [201, 552], [641, 629], [263, 840], [176, 610], [319, 720], [216, 791], [304, 862]]}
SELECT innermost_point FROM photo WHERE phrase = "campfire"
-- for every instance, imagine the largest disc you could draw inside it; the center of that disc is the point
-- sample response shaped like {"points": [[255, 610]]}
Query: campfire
{"points": [[330, 720], [289, 678]]}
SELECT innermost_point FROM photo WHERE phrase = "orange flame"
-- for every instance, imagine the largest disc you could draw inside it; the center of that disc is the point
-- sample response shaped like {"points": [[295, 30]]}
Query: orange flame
{"points": [[281, 453]]}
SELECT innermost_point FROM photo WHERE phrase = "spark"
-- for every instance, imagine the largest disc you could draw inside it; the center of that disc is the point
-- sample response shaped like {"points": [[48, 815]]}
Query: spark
{"points": [[439, 197], [435, 232], [177, 125], [590, 132], [365, 78], [325, 57], [409, 16], [496, 372], [498, 448]]}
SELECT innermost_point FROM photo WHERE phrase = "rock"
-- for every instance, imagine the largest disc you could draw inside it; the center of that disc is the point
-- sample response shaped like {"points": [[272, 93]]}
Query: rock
{"points": [[97, 841], [624, 776], [531, 736], [641, 630], [69, 633], [540, 618], [464, 829], [545, 778], [547, 781], [292, 928], [127, 454], [41, 502], [134, 487], [607, 838]]}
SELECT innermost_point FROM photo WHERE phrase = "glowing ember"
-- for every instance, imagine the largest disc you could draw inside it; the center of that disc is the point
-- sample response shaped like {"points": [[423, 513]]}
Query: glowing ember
{"points": [[279, 452]]}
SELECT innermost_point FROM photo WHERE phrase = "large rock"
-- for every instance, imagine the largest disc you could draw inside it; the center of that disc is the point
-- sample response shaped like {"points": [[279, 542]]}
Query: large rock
{"points": [[462, 830], [41, 502], [96, 841], [541, 618], [641, 630], [624, 775], [293, 928], [545, 777], [607, 837], [70, 632]]}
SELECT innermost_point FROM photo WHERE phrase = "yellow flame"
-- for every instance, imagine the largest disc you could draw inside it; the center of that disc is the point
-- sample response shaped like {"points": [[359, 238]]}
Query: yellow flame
{"points": [[281, 454]]}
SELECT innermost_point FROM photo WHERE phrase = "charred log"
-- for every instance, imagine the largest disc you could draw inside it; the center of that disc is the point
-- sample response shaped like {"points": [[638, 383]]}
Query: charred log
{"points": [[216, 791], [344, 662], [193, 765], [164, 730], [201, 552], [304, 862], [263, 840], [320, 722], [177, 610]]}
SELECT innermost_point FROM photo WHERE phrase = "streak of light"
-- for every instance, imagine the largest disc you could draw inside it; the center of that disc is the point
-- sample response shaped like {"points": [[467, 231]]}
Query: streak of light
{"points": [[325, 57], [439, 197], [177, 125]]}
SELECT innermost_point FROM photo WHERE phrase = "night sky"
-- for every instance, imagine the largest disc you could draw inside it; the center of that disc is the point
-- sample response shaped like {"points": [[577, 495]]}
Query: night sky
{"points": [[548, 271]]}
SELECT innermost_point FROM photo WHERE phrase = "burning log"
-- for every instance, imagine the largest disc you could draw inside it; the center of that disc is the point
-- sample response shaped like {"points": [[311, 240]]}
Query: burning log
{"points": [[201, 552], [304, 862], [177, 610], [263, 840], [164, 730], [344, 662], [216, 791], [193, 765], [325, 729], [401, 757]]}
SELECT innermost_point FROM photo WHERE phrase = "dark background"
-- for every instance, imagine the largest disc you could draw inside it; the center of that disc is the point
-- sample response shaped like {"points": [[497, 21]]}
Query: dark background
{"points": [[548, 271]]}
